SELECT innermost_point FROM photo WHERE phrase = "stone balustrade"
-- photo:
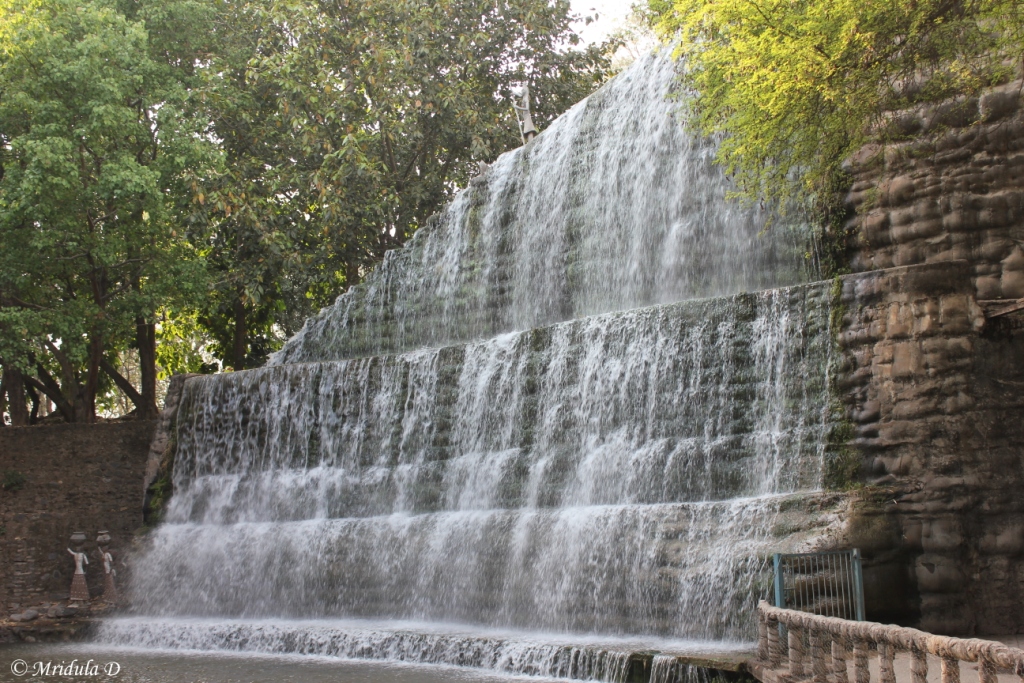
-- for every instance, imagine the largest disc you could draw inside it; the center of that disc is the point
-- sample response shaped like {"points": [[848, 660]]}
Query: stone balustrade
{"points": [[817, 649]]}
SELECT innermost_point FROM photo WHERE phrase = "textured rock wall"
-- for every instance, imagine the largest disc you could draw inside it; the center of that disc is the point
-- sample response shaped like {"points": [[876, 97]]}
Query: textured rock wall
{"points": [[954, 189], [934, 388], [76, 478], [934, 393]]}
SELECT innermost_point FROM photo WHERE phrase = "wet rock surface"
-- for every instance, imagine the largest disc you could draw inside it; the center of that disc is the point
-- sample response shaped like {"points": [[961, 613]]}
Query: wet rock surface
{"points": [[27, 615], [45, 630], [54, 622], [934, 382]]}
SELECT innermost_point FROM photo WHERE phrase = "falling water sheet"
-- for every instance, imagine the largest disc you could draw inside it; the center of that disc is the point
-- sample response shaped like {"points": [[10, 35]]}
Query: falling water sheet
{"points": [[618, 474], [617, 205]]}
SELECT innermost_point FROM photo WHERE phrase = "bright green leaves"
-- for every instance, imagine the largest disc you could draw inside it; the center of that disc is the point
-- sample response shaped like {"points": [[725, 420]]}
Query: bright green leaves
{"points": [[797, 85]]}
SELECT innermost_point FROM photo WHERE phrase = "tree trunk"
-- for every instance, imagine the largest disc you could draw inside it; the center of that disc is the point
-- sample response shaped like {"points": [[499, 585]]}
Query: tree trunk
{"points": [[145, 339], [124, 385], [351, 274], [86, 407], [48, 386], [241, 335], [16, 406], [68, 390], [33, 395]]}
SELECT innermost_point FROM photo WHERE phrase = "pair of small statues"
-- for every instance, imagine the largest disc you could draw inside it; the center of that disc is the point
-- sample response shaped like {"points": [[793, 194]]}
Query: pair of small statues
{"points": [[79, 589]]}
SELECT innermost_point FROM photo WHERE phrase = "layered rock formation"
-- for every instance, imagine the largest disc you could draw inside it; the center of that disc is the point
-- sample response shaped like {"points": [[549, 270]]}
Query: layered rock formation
{"points": [[934, 382], [953, 190]]}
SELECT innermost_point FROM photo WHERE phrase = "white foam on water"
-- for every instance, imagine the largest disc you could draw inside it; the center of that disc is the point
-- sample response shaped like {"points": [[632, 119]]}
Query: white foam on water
{"points": [[580, 657]]}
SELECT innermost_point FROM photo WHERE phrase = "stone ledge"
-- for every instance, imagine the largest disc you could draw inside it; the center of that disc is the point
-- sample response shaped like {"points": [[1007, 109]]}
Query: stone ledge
{"points": [[44, 630]]}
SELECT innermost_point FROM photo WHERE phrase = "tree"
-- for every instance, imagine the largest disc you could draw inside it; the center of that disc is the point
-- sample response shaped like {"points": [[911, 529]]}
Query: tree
{"points": [[345, 124], [95, 135], [796, 87], [232, 166]]}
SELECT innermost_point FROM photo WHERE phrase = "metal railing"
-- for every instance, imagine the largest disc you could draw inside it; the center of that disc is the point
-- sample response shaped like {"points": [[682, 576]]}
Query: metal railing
{"points": [[830, 583], [819, 648]]}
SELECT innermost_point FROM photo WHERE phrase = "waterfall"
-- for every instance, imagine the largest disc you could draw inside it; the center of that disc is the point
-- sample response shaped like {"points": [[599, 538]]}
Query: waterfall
{"points": [[556, 411], [614, 207], [669, 669]]}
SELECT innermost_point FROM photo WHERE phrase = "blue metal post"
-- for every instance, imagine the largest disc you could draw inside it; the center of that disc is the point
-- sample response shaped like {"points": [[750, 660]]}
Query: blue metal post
{"points": [[858, 584], [780, 595]]}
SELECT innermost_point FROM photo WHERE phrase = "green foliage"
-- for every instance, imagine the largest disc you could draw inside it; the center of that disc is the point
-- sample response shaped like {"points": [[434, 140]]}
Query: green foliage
{"points": [[189, 179], [157, 497], [345, 125], [12, 481], [842, 461], [96, 136], [159, 493], [797, 86], [182, 344]]}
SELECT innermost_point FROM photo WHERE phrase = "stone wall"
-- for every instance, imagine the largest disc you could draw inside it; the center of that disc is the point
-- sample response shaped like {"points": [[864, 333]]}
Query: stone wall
{"points": [[76, 478], [935, 389], [953, 190]]}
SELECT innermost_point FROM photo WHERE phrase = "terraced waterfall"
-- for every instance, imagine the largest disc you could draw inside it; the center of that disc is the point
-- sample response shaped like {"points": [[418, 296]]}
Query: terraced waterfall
{"points": [[553, 428]]}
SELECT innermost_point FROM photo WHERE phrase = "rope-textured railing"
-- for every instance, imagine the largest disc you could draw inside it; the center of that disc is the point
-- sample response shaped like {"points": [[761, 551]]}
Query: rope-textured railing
{"points": [[830, 641]]}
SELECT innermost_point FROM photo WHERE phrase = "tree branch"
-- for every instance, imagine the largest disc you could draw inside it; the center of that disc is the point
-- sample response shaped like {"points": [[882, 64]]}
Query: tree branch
{"points": [[62, 359], [123, 384], [49, 386]]}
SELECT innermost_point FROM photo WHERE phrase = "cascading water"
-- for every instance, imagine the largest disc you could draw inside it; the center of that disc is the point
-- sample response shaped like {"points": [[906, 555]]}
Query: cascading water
{"points": [[508, 428], [614, 207]]}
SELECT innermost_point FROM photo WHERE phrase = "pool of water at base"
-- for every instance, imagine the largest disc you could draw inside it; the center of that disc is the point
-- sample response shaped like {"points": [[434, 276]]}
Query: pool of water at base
{"points": [[130, 665]]}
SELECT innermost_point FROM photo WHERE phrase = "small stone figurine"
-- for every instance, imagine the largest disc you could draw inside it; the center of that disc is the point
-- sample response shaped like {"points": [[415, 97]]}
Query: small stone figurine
{"points": [[79, 589], [109, 587], [526, 127]]}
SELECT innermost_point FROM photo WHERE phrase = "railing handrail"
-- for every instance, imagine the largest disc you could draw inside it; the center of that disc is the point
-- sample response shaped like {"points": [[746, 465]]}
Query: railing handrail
{"points": [[818, 552], [900, 638]]}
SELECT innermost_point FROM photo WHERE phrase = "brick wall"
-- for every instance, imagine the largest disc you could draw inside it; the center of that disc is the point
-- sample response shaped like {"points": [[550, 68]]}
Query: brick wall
{"points": [[77, 478]]}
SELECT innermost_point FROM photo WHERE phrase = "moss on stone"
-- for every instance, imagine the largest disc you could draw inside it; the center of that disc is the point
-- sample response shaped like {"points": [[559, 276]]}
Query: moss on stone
{"points": [[842, 461], [158, 494]]}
